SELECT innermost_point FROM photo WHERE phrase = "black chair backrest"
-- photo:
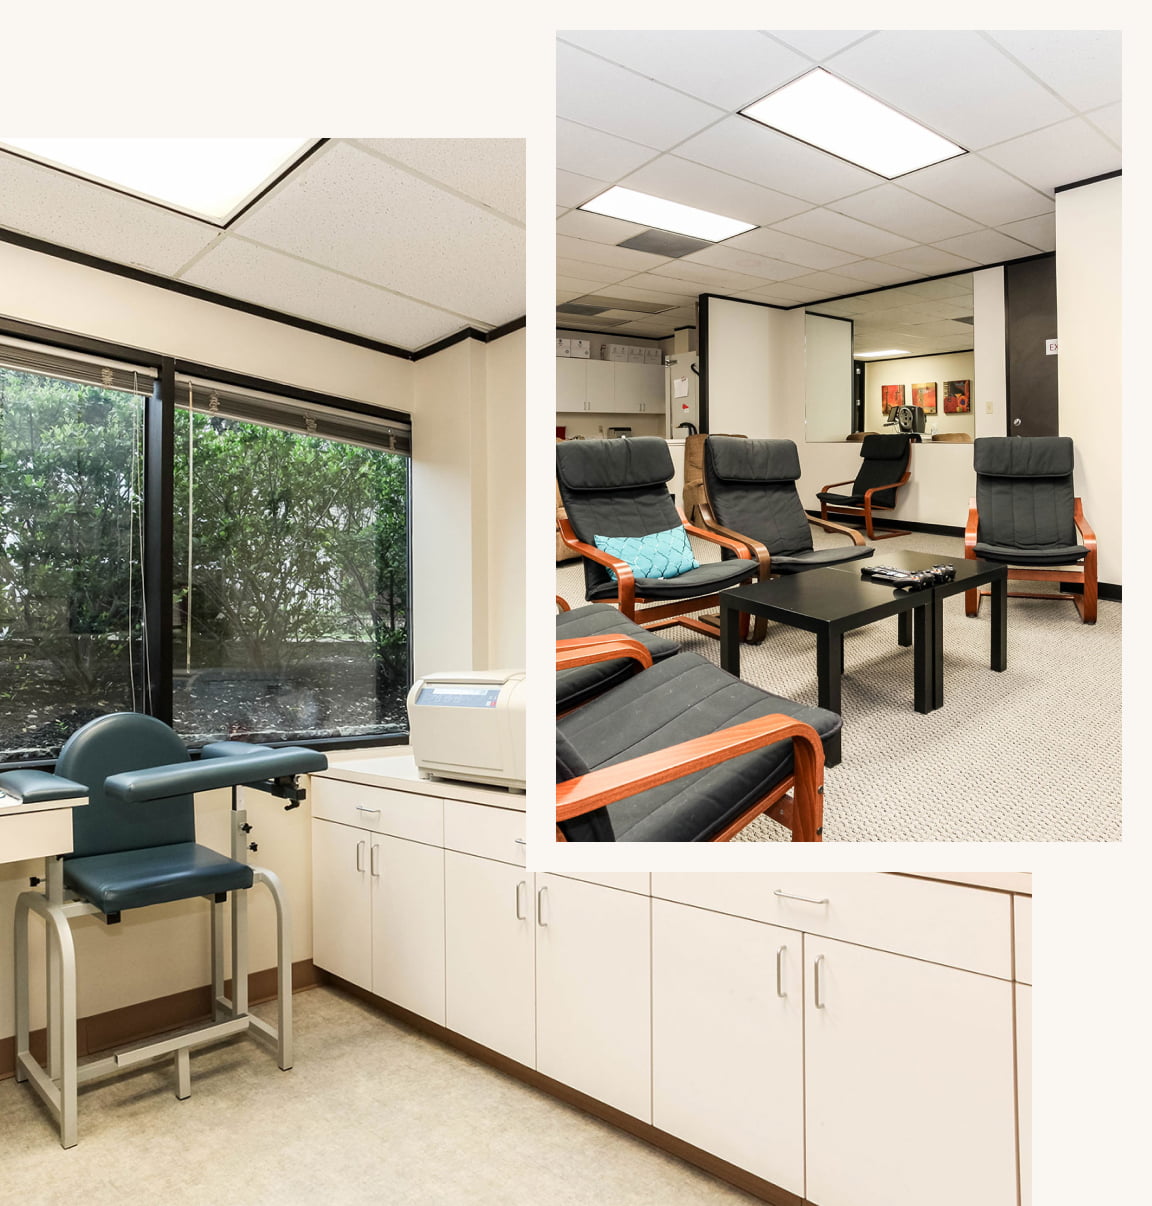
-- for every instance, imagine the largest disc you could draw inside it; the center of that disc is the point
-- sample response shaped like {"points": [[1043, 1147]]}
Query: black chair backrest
{"points": [[615, 488], [108, 745], [884, 458], [752, 489], [1024, 491]]}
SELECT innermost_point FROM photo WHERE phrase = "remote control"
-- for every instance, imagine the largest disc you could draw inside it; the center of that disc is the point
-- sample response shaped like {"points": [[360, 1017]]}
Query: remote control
{"points": [[910, 579]]}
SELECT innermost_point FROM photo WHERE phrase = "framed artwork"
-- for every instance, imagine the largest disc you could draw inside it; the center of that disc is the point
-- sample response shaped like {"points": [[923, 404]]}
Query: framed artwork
{"points": [[957, 397], [891, 395], [924, 396]]}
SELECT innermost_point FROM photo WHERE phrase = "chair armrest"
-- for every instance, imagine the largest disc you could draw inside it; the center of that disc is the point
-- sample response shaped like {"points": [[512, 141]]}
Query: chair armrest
{"points": [[37, 787], [829, 526], [562, 604], [625, 578], [739, 547], [586, 651], [846, 482], [970, 530], [753, 548], [223, 767], [891, 486], [1087, 535], [599, 788]]}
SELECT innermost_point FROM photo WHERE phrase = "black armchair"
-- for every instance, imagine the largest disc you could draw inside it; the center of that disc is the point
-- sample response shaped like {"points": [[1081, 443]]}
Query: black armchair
{"points": [[883, 470]]}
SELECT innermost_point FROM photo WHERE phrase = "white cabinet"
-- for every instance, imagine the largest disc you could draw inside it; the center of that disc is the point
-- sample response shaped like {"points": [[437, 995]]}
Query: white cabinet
{"points": [[1024, 1086], [490, 963], [728, 1039], [601, 390], [593, 991], [341, 902], [571, 384], [640, 388], [1022, 917], [610, 387], [909, 1074]]}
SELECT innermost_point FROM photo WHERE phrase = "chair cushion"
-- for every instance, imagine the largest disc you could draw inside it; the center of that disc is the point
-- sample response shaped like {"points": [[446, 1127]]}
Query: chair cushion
{"points": [[613, 464], [794, 563], [841, 500], [131, 879], [1011, 555], [35, 786], [681, 698], [704, 580], [878, 447], [581, 683], [751, 486], [658, 555], [742, 460], [1031, 456]]}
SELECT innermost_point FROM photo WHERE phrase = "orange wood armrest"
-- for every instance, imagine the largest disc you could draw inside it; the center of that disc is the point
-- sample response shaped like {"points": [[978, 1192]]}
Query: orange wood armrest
{"points": [[737, 546], [847, 482], [829, 526], [1087, 535], [598, 788], [622, 569], [585, 651], [891, 486], [753, 549], [971, 529], [562, 604]]}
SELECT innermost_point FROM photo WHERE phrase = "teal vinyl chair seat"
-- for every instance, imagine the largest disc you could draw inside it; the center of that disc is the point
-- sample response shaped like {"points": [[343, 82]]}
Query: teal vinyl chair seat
{"points": [[131, 879]]}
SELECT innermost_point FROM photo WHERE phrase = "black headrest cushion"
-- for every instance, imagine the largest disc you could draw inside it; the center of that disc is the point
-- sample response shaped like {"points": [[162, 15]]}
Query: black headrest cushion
{"points": [[884, 447], [613, 464], [1023, 456], [738, 460]]}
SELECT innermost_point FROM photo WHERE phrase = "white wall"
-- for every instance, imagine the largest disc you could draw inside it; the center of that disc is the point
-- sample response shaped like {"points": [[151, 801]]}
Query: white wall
{"points": [[912, 370], [1088, 292], [827, 377]]}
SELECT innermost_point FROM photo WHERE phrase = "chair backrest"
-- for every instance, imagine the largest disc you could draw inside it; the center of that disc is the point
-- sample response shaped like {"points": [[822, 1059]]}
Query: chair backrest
{"points": [[694, 490], [615, 488], [752, 490], [108, 745], [884, 458], [1024, 491]]}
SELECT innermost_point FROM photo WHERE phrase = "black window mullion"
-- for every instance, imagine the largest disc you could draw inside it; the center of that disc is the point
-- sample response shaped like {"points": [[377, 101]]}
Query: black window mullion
{"points": [[159, 443]]}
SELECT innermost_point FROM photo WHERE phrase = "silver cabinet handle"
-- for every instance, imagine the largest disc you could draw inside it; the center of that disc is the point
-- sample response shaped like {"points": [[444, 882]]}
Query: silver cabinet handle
{"points": [[376, 861], [521, 842], [521, 915], [818, 983], [363, 808], [360, 855], [780, 990], [540, 897], [793, 896]]}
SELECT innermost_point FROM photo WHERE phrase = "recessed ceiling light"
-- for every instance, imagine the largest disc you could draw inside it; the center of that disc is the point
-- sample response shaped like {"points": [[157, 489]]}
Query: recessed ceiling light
{"points": [[632, 206], [883, 352], [825, 111], [206, 177]]}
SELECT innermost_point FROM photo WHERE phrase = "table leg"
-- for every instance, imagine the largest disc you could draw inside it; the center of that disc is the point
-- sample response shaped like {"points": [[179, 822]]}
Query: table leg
{"points": [[729, 638], [904, 631], [1000, 623], [832, 748], [829, 668], [937, 650]]}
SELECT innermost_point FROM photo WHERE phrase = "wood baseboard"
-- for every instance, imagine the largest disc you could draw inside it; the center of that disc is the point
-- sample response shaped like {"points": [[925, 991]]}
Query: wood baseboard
{"points": [[132, 1023], [766, 1191]]}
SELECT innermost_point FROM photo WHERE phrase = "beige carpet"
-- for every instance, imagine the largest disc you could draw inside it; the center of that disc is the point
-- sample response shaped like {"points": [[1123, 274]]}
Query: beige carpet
{"points": [[373, 1112], [1028, 755]]}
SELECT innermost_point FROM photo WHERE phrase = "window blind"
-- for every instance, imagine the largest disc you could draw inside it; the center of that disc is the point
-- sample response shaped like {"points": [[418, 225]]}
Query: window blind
{"points": [[75, 366]]}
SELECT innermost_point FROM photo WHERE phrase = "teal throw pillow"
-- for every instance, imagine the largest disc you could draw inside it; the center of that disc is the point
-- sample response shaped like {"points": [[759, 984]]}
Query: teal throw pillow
{"points": [[657, 555]]}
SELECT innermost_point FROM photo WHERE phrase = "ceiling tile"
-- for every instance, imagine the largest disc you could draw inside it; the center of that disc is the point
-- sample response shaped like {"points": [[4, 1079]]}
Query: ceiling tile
{"points": [[253, 273], [50, 205], [567, 295], [1082, 65], [690, 183], [818, 44], [828, 284], [651, 295], [681, 290], [594, 153], [779, 246], [987, 247], [596, 93], [735, 260], [898, 210], [490, 170], [954, 81], [843, 233], [594, 275], [1061, 154], [359, 215], [730, 68], [597, 228], [1107, 121], [753, 152], [605, 253], [928, 261], [707, 278], [873, 272], [978, 189], [1038, 232], [574, 189]]}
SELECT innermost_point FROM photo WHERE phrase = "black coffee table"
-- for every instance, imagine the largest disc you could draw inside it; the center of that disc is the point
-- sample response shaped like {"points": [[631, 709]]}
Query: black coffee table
{"points": [[829, 603]]}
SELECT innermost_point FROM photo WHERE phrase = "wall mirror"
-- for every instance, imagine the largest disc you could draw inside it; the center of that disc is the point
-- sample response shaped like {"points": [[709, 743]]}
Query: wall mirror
{"points": [[909, 346]]}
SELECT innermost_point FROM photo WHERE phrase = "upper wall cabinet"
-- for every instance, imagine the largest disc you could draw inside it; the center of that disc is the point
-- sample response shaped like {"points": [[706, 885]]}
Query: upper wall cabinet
{"points": [[609, 387]]}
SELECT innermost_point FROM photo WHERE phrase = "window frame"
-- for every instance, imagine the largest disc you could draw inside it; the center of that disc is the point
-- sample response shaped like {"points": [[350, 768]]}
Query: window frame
{"points": [[158, 509]]}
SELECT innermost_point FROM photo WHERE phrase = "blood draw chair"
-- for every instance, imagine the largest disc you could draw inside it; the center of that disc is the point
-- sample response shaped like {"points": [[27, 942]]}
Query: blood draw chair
{"points": [[134, 844]]}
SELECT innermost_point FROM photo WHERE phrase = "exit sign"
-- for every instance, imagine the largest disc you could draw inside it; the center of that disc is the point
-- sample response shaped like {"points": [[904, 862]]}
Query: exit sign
{"points": [[1051, 347]]}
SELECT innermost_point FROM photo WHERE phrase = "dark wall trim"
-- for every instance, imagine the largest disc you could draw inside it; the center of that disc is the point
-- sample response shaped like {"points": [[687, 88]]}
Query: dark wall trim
{"points": [[702, 360], [507, 328], [69, 342], [1063, 188], [159, 437], [470, 333], [743, 301], [921, 356]]}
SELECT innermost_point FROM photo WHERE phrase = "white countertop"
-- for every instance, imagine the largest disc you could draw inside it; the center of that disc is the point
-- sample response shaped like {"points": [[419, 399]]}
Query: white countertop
{"points": [[396, 768], [1004, 881]]}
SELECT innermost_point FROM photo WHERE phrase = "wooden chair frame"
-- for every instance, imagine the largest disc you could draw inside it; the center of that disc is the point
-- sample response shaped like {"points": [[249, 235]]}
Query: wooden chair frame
{"points": [[1085, 574], [802, 811], [660, 615], [867, 507]]}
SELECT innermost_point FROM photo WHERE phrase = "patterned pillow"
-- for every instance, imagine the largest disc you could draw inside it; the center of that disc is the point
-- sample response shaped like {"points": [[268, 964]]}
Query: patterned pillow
{"points": [[657, 555]]}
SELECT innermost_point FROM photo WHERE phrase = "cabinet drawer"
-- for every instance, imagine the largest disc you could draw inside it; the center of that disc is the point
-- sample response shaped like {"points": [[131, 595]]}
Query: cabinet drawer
{"points": [[380, 809], [1022, 911], [488, 832], [962, 927]]}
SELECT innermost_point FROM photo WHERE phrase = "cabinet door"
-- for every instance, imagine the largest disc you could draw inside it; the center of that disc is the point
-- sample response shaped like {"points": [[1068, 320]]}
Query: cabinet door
{"points": [[1024, 1087], [630, 388], [489, 958], [728, 1039], [909, 1081], [571, 384], [341, 902], [601, 393], [593, 991], [408, 925]]}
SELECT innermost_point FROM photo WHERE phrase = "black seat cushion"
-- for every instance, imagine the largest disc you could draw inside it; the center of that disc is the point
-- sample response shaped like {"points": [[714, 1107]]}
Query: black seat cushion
{"points": [[791, 563], [681, 698], [705, 579], [131, 879], [581, 683], [1054, 555]]}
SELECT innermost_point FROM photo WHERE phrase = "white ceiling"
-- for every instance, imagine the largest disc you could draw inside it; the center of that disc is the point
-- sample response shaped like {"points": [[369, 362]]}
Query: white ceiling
{"points": [[657, 111], [404, 241]]}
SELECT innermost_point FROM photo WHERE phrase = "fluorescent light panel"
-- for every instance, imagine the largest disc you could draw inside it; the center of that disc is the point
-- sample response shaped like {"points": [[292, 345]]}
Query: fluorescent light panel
{"points": [[825, 111], [206, 177], [631, 206]]}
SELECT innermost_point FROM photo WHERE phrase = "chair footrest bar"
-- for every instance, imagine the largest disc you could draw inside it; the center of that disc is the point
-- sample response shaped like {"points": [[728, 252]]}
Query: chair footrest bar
{"points": [[196, 1038]]}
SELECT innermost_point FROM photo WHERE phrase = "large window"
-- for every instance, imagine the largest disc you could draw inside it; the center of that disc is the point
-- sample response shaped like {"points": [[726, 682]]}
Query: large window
{"points": [[282, 526]]}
